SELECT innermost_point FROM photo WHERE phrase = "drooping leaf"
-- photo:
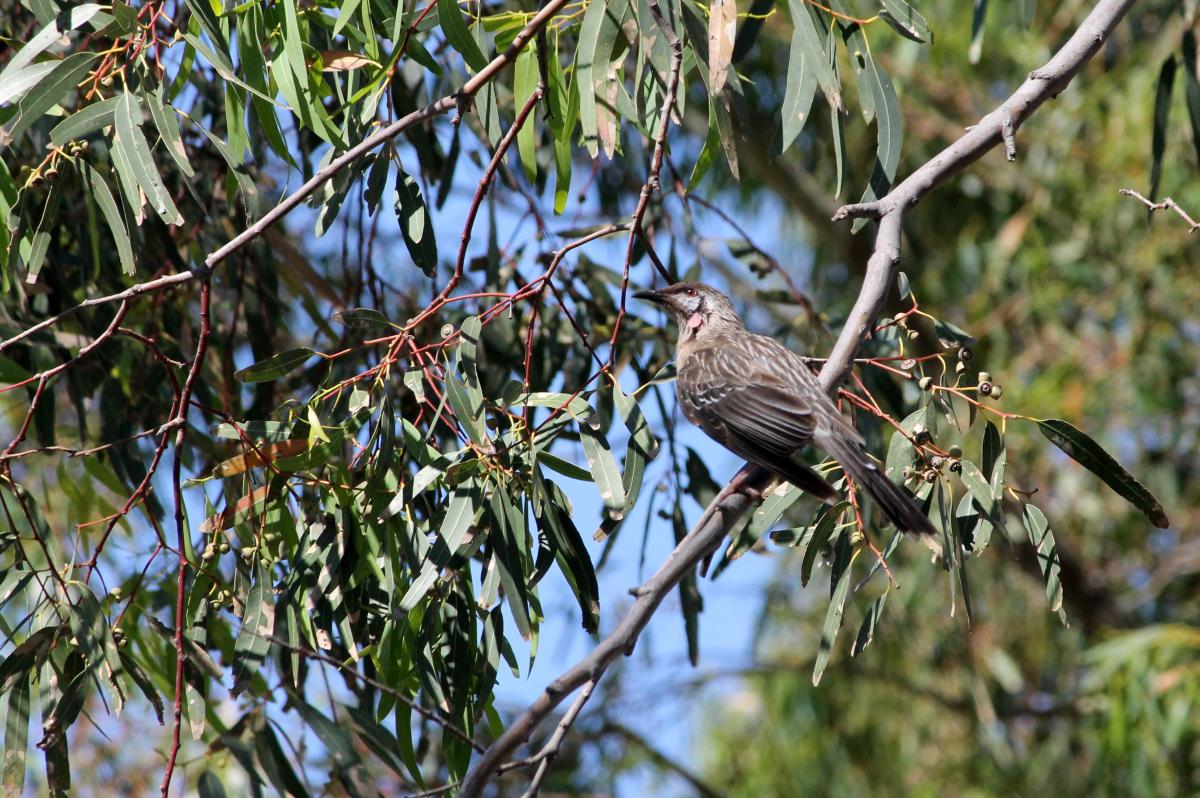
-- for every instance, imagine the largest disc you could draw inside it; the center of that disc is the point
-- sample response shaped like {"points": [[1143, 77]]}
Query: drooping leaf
{"points": [[415, 223], [1089, 454], [800, 90], [49, 90], [450, 18], [844, 555], [1162, 111], [129, 139], [258, 625], [1047, 555], [977, 18], [905, 20], [525, 83], [112, 217]]}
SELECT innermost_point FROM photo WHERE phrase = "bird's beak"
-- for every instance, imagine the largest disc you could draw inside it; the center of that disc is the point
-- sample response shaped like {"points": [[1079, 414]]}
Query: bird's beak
{"points": [[651, 296]]}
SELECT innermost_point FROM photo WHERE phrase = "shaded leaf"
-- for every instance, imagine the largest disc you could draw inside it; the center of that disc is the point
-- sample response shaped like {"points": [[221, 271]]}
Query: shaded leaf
{"points": [[275, 366], [415, 223], [1089, 454], [254, 638]]}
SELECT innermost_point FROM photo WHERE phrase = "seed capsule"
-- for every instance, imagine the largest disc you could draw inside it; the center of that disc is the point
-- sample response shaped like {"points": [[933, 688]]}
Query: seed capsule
{"points": [[997, 391], [965, 354]]}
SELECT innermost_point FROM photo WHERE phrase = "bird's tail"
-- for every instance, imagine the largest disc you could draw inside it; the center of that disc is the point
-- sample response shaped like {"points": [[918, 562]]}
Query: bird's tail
{"points": [[897, 504]]}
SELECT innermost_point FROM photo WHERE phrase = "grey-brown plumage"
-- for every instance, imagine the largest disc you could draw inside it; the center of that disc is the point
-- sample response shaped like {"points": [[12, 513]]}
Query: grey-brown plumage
{"points": [[762, 402]]}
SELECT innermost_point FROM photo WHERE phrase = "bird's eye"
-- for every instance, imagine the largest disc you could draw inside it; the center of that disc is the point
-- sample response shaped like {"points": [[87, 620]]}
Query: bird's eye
{"points": [[691, 292]]}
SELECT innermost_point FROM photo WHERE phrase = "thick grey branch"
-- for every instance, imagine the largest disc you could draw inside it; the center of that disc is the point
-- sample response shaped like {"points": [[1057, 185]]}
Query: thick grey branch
{"points": [[732, 502]]}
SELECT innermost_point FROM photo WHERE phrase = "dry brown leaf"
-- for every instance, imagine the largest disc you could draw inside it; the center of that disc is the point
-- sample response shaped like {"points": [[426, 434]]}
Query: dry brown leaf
{"points": [[722, 28]]}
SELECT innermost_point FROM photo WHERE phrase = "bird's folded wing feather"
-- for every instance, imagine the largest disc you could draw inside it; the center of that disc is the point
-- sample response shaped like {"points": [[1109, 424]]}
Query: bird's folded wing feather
{"points": [[732, 391]]}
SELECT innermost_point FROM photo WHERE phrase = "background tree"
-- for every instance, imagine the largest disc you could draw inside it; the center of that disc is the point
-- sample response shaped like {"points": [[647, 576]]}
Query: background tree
{"points": [[295, 493]]}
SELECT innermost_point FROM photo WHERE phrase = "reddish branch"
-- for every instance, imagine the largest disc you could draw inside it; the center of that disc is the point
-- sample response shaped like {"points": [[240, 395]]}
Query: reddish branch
{"points": [[180, 531]]}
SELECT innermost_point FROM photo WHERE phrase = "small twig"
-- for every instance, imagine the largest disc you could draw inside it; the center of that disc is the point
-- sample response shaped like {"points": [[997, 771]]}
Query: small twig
{"points": [[554, 744], [1167, 204]]}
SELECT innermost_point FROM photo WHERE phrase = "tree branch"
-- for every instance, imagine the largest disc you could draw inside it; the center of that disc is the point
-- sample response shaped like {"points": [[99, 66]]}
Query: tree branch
{"points": [[998, 127], [732, 502]]}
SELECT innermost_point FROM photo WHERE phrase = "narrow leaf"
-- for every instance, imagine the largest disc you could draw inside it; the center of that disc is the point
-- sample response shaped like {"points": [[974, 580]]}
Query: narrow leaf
{"points": [[415, 223], [275, 366], [1089, 454]]}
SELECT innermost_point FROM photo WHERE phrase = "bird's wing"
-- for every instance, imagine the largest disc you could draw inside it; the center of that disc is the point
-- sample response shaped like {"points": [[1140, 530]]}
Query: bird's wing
{"points": [[740, 396]]}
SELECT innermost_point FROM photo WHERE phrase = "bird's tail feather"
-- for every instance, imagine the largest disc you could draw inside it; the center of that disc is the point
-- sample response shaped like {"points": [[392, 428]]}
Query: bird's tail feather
{"points": [[897, 504], [803, 477]]}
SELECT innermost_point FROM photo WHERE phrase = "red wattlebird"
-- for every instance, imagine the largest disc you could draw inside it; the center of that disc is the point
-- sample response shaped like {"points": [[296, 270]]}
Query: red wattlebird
{"points": [[760, 400]]}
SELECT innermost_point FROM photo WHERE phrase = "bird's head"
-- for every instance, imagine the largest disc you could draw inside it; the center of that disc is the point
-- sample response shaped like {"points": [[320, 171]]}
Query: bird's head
{"points": [[700, 310]]}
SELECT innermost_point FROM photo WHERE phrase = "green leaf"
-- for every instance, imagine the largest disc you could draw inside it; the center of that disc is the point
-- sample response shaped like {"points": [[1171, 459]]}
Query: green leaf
{"points": [[524, 84], [94, 635], [49, 90], [468, 408], [866, 632], [275, 366], [842, 568], [209, 785], [564, 116], [708, 153], [450, 18], [976, 48], [884, 106], [508, 542], [129, 140], [1047, 555], [554, 520], [906, 20], [164, 119], [800, 90], [112, 217], [16, 738], [26, 657], [334, 739], [605, 472], [415, 223], [79, 124], [419, 587], [1192, 85], [246, 185], [460, 515], [597, 33], [50, 33], [822, 529], [816, 54], [901, 452], [254, 638], [1089, 454], [1162, 112]]}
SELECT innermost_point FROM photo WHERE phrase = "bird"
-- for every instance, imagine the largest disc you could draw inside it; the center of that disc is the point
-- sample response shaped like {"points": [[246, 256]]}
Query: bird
{"points": [[760, 400]]}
